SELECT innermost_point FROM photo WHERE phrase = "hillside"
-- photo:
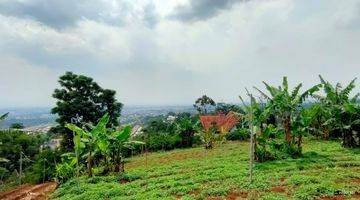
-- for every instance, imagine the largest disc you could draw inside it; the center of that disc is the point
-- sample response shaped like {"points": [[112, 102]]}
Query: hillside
{"points": [[326, 171]]}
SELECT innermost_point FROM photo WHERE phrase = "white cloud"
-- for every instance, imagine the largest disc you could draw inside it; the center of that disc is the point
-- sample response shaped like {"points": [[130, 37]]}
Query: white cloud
{"points": [[175, 62]]}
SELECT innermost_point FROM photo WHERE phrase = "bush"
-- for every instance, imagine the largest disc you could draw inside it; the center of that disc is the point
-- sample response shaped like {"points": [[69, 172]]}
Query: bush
{"points": [[44, 168], [238, 134], [66, 169]]}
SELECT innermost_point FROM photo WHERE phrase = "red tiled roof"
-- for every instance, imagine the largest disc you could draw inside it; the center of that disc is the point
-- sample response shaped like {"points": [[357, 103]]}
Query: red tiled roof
{"points": [[223, 123]]}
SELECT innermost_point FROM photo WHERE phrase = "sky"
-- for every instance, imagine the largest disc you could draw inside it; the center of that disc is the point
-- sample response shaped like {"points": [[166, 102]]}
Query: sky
{"points": [[156, 52]]}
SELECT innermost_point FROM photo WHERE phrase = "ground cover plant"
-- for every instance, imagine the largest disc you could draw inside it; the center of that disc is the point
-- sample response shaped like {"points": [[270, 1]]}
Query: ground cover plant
{"points": [[325, 170]]}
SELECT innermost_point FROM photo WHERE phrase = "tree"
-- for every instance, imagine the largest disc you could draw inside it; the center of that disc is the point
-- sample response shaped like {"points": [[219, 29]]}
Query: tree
{"points": [[17, 126], [79, 96], [203, 104], [226, 108]]}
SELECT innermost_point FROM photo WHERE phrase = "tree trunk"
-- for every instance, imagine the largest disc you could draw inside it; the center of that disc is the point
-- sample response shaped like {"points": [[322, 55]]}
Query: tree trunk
{"points": [[287, 128], [299, 142], [119, 167], [89, 164]]}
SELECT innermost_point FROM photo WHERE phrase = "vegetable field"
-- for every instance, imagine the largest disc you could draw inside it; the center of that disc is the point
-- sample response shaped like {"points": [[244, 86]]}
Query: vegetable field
{"points": [[325, 171]]}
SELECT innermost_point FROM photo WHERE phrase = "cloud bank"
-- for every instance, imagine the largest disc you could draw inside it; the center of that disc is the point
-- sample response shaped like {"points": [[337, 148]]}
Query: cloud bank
{"points": [[171, 52]]}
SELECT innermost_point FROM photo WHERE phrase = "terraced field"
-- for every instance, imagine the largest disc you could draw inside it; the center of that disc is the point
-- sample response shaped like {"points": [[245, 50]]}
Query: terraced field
{"points": [[326, 171]]}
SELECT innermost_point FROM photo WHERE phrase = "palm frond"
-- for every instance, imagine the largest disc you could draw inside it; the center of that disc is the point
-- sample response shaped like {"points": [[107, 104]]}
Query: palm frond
{"points": [[271, 89], [295, 92], [262, 93], [308, 92], [346, 91], [2, 117], [285, 84]]}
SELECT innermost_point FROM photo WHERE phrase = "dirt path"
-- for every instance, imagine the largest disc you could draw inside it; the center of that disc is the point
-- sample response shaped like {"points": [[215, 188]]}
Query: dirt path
{"points": [[30, 192]]}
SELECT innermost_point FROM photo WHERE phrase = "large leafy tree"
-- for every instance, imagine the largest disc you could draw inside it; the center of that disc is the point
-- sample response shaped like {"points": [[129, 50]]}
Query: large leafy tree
{"points": [[204, 104], [80, 96]]}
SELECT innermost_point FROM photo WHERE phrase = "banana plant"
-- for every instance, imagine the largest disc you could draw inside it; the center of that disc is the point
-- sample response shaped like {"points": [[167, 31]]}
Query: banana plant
{"points": [[286, 104], [90, 139], [186, 128], [118, 141]]}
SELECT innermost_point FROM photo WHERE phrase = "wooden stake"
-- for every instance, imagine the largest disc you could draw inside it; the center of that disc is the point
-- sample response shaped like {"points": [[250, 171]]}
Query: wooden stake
{"points": [[251, 164]]}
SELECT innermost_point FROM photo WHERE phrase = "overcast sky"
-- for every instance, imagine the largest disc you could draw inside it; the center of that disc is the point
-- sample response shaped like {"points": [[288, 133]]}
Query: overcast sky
{"points": [[171, 52]]}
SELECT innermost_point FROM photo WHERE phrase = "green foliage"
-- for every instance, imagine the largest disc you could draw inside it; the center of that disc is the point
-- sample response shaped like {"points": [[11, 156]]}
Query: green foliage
{"points": [[79, 96], [17, 126], [238, 134], [160, 133], [107, 144], [186, 129], [92, 139], [340, 113], [286, 106], [13, 142], [226, 108], [44, 167], [66, 169], [210, 137]]}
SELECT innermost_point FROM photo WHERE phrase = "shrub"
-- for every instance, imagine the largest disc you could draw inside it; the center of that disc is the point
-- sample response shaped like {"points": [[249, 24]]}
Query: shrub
{"points": [[44, 168], [238, 134], [66, 169]]}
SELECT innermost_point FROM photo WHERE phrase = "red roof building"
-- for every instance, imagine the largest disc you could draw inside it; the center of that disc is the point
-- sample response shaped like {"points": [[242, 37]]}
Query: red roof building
{"points": [[223, 123]]}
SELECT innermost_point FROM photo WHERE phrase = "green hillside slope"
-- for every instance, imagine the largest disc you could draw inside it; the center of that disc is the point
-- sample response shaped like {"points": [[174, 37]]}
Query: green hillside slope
{"points": [[326, 170]]}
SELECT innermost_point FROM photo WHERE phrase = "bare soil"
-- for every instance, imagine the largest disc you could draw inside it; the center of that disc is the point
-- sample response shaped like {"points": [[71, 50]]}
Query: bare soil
{"points": [[30, 192]]}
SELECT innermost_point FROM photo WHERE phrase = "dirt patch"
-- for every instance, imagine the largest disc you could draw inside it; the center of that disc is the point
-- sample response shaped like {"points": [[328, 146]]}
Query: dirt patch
{"points": [[235, 195], [357, 180], [124, 181], [282, 179], [178, 196], [13, 192], [279, 189], [194, 192], [356, 195], [30, 192], [336, 197]]}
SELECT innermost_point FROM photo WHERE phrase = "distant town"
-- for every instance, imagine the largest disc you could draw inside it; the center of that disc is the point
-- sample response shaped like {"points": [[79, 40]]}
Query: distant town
{"points": [[40, 120]]}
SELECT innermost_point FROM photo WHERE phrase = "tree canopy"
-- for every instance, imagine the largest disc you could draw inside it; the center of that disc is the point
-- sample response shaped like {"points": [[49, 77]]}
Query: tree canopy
{"points": [[81, 100]]}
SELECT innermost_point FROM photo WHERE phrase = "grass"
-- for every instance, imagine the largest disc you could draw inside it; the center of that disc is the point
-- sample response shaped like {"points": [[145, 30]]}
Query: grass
{"points": [[325, 170]]}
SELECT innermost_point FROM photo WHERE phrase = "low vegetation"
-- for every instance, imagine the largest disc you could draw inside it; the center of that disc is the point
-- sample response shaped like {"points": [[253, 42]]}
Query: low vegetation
{"points": [[325, 170]]}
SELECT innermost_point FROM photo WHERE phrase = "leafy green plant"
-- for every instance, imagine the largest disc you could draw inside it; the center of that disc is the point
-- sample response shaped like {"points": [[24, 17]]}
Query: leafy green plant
{"points": [[92, 139], [66, 169], [211, 137], [285, 104], [186, 128], [118, 140], [343, 110], [238, 134]]}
